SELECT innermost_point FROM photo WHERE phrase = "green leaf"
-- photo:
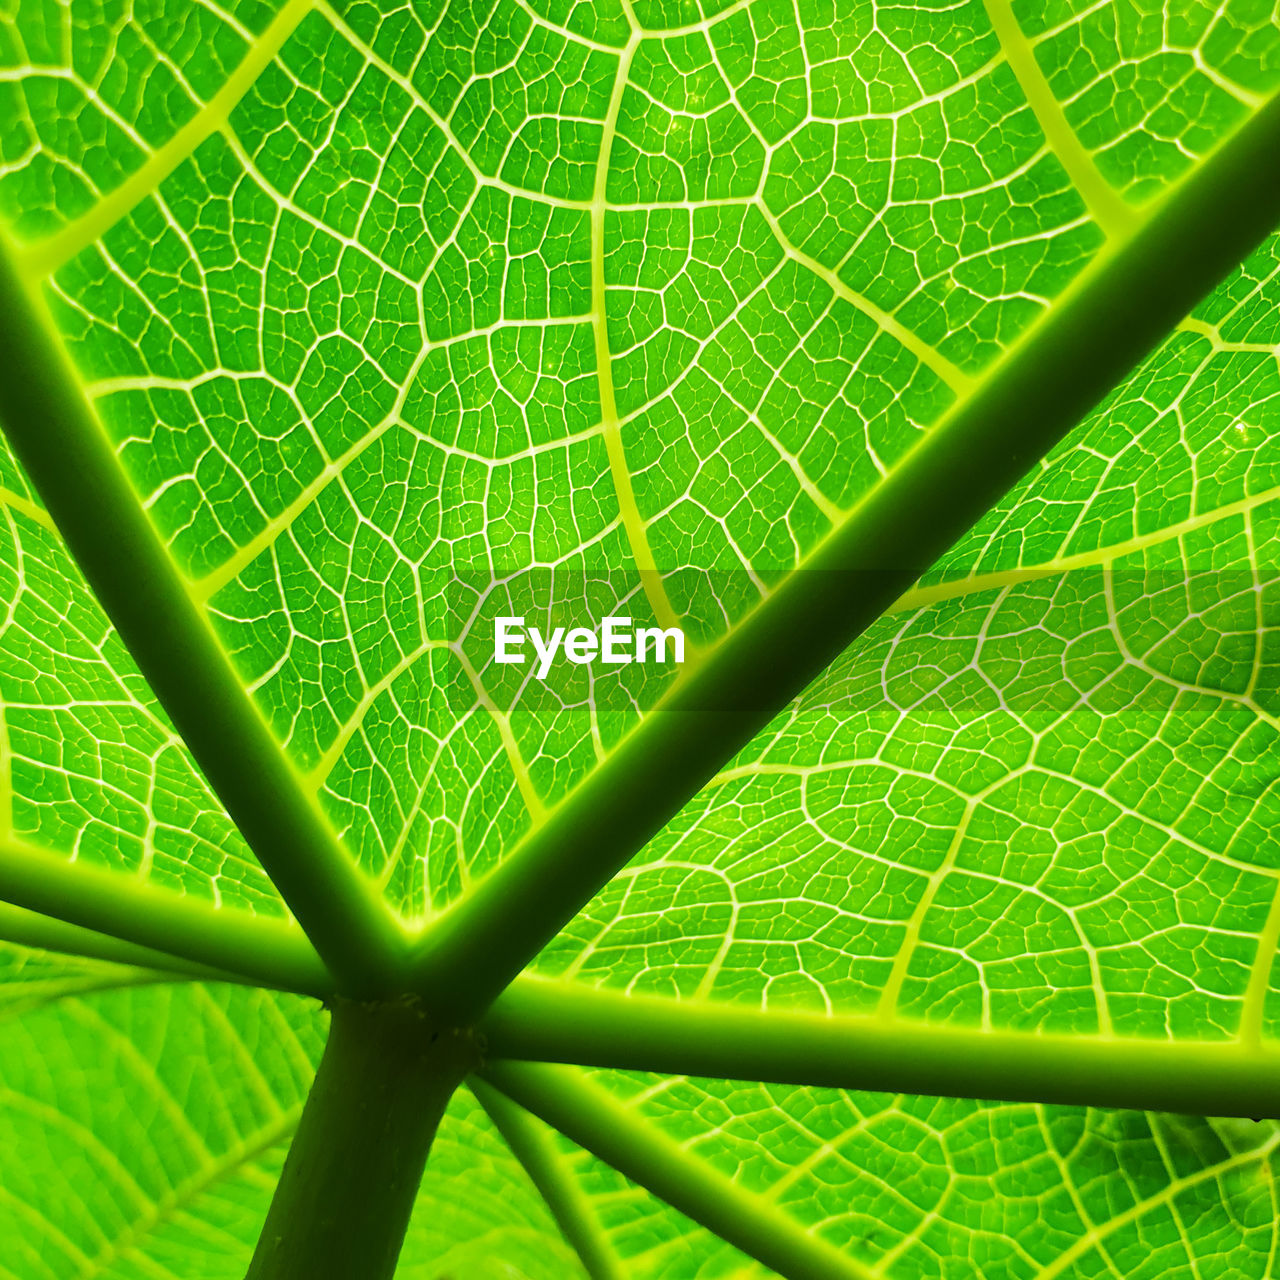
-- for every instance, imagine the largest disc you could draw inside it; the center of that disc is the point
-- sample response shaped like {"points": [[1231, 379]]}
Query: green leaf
{"points": [[919, 361]]}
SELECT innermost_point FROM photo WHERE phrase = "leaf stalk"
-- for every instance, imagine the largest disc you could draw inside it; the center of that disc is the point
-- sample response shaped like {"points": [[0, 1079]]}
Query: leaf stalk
{"points": [[267, 952], [346, 1193]]}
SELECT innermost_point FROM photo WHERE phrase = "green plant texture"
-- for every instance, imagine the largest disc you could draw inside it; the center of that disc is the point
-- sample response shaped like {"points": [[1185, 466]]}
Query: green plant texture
{"points": [[921, 358]]}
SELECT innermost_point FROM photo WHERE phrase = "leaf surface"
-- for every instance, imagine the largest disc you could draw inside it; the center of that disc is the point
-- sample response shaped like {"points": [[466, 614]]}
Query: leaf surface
{"points": [[403, 319]]}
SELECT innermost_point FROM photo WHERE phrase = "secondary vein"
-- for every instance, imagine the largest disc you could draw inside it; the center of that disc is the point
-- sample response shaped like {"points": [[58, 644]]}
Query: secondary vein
{"points": [[1107, 206], [44, 257], [632, 521]]}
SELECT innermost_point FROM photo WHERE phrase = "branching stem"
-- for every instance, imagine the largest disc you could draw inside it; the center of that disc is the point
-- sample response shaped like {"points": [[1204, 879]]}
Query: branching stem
{"points": [[592, 1118], [534, 1147], [73, 466], [258, 949], [32, 929]]}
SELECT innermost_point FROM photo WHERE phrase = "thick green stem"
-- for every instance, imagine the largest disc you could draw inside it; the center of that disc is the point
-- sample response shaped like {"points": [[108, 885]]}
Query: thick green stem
{"points": [[266, 952], [553, 1022], [1106, 323], [44, 933], [347, 1190]]}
